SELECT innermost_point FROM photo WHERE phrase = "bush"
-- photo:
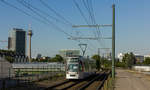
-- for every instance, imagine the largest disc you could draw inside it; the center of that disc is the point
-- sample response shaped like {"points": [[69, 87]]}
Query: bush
{"points": [[9, 59], [120, 64]]}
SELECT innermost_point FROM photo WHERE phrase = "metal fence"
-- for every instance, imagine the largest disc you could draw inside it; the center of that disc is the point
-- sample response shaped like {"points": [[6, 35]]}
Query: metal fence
{"points": [[6, 69], [26, 73]]}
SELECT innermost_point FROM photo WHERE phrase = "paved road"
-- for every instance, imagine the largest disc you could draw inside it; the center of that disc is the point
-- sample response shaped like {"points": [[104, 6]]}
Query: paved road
{"points": [[127, 80]]}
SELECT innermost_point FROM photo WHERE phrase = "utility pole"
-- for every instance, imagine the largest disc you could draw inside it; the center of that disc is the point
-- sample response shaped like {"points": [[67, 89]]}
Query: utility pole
{"points": [[113, 41]]}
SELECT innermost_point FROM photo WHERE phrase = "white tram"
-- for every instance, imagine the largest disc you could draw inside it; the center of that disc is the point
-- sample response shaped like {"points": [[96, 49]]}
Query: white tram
{"points": [[79, 67]]}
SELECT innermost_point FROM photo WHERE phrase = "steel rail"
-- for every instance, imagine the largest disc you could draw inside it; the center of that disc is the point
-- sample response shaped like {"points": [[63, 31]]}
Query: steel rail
{"points": [[56, 85], [89, 83], [71, 85], [103, 81], [75, 83]]}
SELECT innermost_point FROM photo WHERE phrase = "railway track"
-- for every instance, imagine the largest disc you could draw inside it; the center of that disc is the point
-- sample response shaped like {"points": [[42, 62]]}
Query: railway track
{"points": [[66, 84], [83, 82], [94, 82]]}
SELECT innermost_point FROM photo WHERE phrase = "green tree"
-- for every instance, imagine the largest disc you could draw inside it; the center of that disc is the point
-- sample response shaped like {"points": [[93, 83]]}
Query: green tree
{"points": [[58, 58], [9, 59], [34, 60], [105, 63], [147, 61], [98, 63], [120, 64], [129, 59]]}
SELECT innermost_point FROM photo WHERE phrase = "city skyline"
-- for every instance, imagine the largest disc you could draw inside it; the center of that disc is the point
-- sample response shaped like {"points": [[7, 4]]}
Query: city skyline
{"points": [[132, 31]]}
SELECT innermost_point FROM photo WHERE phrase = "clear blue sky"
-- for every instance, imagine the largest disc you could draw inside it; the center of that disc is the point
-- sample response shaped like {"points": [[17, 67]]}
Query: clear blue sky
{"points": [[132, 25]]}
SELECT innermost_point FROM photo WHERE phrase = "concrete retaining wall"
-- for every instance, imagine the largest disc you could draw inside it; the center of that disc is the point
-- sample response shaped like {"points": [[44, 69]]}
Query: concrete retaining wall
{"points": [[141, 68]]}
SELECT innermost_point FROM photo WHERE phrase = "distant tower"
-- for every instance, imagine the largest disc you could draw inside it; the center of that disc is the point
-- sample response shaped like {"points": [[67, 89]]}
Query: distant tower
{"points": [[30, 35]]}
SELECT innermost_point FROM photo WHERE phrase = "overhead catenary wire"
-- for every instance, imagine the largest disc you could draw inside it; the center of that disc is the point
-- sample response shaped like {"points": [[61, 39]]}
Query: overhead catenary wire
{"points": [[41, 18], [91, 12], [44, 18], [54, 26], [56, 13], [88, 9], [87, 6], [43, 12], [59, 15], [24, 12], [32, 9], [89, 3], [85, 19], [82, 14]]}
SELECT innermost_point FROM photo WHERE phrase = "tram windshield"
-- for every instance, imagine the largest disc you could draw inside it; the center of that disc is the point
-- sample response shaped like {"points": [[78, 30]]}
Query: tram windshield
{"points": [[73, 67]]}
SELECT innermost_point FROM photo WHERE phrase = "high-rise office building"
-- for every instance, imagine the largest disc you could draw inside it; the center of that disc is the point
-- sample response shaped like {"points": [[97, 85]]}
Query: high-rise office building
{"points": [[17, 41]]}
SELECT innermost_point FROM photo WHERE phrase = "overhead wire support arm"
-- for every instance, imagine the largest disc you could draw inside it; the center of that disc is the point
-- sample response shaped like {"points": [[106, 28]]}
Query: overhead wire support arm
{"points": [[105, 48], [92, 26], [88, 38]]}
